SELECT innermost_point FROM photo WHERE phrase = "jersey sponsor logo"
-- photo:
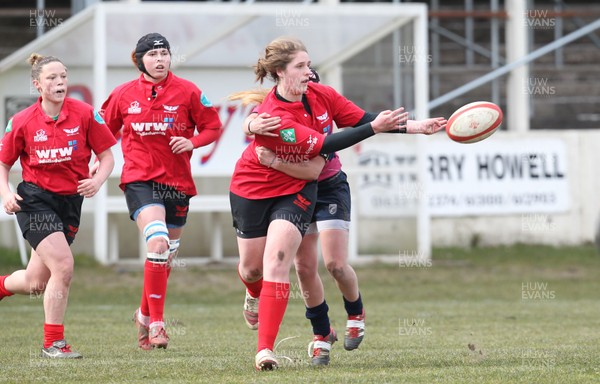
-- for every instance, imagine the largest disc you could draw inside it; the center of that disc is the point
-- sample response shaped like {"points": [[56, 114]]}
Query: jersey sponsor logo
{"points": [[327, 130], [323, 118], [8, 126], [134, 108], [146, 129], [54, 155], [170, 108], [98, 118], [40, 136], [288, 135], [71, 131], [204, 100], [312, 141]]}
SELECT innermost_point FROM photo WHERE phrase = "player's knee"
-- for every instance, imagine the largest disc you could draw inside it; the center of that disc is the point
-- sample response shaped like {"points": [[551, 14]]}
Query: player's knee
{"points": [[251, 274], [157, 242], [157, 236], [336, 269]]}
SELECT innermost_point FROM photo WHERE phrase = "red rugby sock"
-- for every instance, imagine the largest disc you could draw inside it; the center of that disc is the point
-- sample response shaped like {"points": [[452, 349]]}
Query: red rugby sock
{"points": [[52, 333], [271, 308], [155, 289], [3, 291]]}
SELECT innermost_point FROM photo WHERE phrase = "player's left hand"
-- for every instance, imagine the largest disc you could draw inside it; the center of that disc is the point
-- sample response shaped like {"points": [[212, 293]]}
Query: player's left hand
{"points": [[88, 187], [265, 156], [426, 126], [180, 144]]}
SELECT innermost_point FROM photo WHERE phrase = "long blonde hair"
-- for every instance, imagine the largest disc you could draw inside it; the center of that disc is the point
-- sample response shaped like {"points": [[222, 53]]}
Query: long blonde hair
{"points": [[278, 54]]}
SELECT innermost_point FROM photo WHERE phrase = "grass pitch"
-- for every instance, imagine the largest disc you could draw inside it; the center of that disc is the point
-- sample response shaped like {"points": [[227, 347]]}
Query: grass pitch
{"points": [[522, 314]]}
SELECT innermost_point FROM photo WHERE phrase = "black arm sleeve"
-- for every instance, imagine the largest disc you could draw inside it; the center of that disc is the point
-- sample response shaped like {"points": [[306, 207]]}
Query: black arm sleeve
{"points": [[367, 118], [370, 116], [346, 138]]}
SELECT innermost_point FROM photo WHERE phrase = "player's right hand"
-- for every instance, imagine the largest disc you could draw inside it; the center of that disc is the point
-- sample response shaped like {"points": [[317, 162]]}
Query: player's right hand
{"points": [[390, 120], [264, 124], [10, 203]]}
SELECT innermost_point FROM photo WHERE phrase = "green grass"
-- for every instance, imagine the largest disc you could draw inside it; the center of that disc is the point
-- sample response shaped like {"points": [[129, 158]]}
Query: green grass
{"points": [[519, 314]]}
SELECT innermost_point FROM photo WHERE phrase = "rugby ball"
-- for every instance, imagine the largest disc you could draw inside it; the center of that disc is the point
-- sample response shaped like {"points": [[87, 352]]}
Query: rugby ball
{"points": [[474, 122]]}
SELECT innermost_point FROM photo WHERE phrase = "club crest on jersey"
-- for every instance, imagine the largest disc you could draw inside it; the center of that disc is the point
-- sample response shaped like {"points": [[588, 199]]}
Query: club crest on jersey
{"points": [[288, 135], [134, 108], [40, 136], [323, 118], [170, 108], [71, 131]]}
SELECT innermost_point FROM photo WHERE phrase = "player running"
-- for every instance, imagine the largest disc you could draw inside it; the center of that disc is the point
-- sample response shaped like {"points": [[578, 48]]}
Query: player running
{"points": [[158, 114], [54, 139]]}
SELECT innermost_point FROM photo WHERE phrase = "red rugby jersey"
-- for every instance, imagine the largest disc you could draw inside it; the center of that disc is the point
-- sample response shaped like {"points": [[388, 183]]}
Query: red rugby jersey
{"points": [[55, 155], [178, 109], [300, 138]]}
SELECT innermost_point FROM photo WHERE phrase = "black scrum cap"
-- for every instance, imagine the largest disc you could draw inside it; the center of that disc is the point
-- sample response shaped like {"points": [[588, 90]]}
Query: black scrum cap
{"points": [[147, 43]]}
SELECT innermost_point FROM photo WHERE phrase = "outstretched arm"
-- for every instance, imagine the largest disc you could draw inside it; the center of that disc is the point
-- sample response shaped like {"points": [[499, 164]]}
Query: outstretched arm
{"points": [[384, 122]]}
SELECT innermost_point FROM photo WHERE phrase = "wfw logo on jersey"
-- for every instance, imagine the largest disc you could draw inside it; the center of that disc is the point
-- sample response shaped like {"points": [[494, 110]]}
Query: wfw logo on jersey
{"points": [[134, 108], [170, 108], [54, 155], [40, 136], [323, 118], [72, 131], [145, 129]]}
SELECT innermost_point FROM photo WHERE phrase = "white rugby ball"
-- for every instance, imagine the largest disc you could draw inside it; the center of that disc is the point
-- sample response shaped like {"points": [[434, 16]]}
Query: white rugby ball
{"points": [[474, 122]]}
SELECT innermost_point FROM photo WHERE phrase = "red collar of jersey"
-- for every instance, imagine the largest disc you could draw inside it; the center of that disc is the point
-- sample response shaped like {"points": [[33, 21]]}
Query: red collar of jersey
{"points": [[148, 85], [63, 114]]}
